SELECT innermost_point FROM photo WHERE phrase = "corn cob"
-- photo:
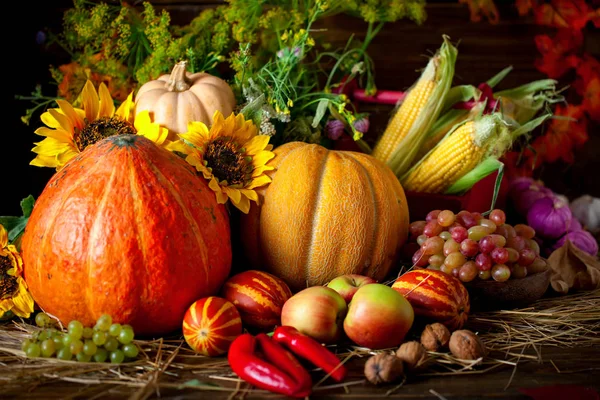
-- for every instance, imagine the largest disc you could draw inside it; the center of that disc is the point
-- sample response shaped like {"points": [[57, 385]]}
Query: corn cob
{"points": [[457, 154], [407, 114], [406, 131]]}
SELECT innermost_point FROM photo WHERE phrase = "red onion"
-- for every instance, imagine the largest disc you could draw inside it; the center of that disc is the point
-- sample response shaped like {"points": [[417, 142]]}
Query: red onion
{"points": [[575, 225], [550, 217], [582, 239], [525, 195]]}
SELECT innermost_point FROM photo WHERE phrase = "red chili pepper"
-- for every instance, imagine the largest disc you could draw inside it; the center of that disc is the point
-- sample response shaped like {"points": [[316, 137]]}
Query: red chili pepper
{"points": [[311, 350], [266, 364]]}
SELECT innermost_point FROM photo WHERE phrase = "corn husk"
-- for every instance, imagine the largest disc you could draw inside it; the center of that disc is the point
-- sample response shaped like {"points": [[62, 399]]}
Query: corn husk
{"points": [[451, 116], [491, 163], [523, 103], [442, 65]]}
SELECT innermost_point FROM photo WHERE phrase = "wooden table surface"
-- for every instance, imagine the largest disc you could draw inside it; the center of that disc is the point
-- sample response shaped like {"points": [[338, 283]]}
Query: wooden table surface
{"points": [[576, 370]]}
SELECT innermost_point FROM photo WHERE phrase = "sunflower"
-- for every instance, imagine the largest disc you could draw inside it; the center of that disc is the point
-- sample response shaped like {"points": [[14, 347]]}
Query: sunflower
{"points": [[70, 130], [14, 295], [231, 155]]}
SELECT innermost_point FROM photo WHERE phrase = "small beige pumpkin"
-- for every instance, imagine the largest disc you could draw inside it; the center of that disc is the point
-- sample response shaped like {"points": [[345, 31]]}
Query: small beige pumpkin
{"points": [[179, 97]]}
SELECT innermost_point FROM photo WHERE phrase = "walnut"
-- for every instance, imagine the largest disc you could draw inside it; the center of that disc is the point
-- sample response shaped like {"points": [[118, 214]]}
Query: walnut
{"points": [[413, 354], [435, 336], [466, 345], [383, 368]]}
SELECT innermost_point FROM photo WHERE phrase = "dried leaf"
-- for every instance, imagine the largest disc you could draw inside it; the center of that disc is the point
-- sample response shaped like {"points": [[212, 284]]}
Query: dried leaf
{"points": [[524, 6], [573, 269], [486, 8]]}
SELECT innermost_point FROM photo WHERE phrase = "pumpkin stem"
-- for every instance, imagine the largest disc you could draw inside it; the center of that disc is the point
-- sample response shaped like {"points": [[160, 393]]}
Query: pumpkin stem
{"points": [[177, 80]]}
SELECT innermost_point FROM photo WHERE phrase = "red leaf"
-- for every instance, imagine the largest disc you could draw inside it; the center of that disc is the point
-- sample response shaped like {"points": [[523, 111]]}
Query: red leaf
{"points": [[566, 132], [561, 392], [588, 67], [557, 52], [573, 14], [591, 98]]}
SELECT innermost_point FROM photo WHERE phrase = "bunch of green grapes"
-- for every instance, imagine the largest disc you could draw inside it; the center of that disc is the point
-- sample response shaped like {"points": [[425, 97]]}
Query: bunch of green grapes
{"points": [[106, 341]]}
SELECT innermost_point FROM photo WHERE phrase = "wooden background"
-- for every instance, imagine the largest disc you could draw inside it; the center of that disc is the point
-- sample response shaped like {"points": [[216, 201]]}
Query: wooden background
{"points": [[398, 51]]}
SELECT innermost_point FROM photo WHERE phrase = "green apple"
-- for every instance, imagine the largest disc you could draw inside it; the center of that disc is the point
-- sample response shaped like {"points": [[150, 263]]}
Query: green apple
{"points": [[347, 285], [378, 317], [317, 311]]}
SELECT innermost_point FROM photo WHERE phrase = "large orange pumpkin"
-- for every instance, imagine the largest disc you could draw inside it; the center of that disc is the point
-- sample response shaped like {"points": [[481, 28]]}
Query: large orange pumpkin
{"points": [[126, 228], [326, 213]]}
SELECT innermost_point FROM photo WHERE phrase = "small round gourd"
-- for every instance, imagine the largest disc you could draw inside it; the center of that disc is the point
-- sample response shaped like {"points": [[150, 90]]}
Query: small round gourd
{"points": [[177, 98], [326, 213], [126, 228]]}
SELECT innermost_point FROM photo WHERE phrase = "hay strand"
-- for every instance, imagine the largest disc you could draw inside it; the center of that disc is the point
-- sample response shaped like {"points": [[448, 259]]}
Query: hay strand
{"points": [[512, 337]]}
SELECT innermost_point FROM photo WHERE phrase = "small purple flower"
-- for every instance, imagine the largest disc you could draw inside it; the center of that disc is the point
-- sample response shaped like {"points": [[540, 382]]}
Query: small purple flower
{"points": [[362, 125], [296, 52], [334, 129]]}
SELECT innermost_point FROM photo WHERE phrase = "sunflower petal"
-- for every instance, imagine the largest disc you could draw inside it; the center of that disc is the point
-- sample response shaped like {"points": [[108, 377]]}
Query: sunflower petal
{"points": [[256, 144], [44, 161], [125, 110], [62, 119], [5, 305], [250, 194], [57, 134], [68, 110], [243, 204], [178, 146], [234, 194], [262, 157], [258, 171], [145, 127], [63, 158], [259, 181], [22, 302], [50, 147], [90, 101], [3, 237], [49, 120], [107, 105], [221, 197]]}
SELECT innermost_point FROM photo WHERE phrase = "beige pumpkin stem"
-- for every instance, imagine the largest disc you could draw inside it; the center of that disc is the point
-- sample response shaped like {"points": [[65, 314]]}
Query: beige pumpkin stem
{"points": [[177, 80]]}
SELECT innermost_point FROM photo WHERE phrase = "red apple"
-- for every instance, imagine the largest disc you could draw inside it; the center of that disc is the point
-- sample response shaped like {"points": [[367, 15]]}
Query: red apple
{"points": [[317, 311], [378, 317], [347, 285]]}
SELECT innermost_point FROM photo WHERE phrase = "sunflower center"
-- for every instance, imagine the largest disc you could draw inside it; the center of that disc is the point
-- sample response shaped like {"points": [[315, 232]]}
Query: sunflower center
{"points": [[8, 283], [101, 128], [226, 161]]}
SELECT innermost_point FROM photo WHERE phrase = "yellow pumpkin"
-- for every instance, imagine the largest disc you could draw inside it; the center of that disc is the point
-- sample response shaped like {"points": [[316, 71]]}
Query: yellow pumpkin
{"points": [[326, 213], [179, 97]]}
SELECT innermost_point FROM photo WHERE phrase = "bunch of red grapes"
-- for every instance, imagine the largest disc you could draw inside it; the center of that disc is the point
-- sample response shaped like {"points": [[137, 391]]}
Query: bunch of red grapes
{"points": [[468, 245]]}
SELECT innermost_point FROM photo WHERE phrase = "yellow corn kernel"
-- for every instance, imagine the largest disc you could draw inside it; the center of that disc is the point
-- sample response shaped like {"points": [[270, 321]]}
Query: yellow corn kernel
{"points": [[405, 117], [454, 156]]}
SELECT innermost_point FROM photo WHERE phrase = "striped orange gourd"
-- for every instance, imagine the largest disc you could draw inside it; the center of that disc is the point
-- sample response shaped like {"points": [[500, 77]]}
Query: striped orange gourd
{"points": [[326, 213], [210, 325], [259, 297], [435, 296]]}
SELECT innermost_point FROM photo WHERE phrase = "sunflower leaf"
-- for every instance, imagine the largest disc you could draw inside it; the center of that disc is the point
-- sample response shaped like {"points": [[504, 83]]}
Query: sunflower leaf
{"points": [[16, 225]]}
